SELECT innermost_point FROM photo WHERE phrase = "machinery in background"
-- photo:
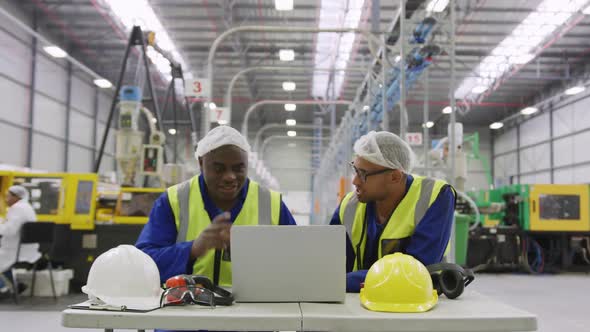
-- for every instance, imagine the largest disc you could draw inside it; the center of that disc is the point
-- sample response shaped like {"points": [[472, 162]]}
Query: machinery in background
{"points": [[536, 228], [62, 198], [131, 153]]}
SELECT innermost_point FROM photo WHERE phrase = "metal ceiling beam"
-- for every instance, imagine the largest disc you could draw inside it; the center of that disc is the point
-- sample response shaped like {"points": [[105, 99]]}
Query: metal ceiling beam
{"points": [[238, 45]]}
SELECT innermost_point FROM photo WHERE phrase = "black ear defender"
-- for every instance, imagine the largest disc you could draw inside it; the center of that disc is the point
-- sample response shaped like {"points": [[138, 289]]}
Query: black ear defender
{"points": [[450, 279]]}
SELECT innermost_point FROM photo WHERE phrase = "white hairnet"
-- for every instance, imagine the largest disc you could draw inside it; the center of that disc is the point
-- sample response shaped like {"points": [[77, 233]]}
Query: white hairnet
{"points": [[385, 149], [19, 191], [220, 136]]}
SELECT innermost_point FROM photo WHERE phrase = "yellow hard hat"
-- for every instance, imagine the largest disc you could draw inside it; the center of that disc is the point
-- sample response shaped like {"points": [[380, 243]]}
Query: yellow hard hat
{"points": [[398, 283]]}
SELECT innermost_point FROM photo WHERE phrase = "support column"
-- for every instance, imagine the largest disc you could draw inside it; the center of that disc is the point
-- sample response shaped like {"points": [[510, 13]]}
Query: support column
{"points": [[426, 130], [68, 116], [95, 127], [402, 42], [32, 88]]}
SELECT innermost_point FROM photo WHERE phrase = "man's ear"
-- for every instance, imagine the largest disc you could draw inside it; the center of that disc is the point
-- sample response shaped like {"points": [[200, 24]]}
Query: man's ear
{"points": [[397, 176]]}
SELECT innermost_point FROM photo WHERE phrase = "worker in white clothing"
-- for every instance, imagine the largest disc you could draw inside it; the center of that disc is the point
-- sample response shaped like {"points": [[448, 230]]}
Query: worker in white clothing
{"points": [[19, 212]]}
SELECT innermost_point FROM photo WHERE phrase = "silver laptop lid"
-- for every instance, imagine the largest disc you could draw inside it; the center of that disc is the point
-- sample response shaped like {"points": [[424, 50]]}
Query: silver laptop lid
{"points": [[288, 263]]}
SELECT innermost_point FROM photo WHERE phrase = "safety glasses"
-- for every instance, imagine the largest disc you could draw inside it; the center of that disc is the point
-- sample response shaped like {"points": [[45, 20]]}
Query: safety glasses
{"points": [[194, 289], [183, 295]]}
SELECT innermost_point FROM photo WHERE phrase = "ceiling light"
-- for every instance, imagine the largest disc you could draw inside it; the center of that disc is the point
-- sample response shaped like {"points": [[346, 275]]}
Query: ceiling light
{"points": [[333, 50], [172, 131], [429, 124], [140, 12], [520, 46], [284, 4], [154, 120], [289, 86], [447, 110], [102, 83], [291, 133], [397, 58], [287, 55], [55, 51], [290, 107], [212, 106], [366, 108], [496, 125], [437, 6], [575, 90], [529, 110], [479, 89], [222, 122], [291, 122], [380, 85]]}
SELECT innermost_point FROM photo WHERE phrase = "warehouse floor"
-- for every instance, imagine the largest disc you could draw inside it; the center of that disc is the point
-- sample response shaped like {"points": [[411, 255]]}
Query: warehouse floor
{"points": [[559, 301]]}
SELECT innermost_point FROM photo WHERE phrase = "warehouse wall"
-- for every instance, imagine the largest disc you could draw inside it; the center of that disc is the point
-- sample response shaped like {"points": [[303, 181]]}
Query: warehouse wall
{"points": [[66, 118], [548, 148]]}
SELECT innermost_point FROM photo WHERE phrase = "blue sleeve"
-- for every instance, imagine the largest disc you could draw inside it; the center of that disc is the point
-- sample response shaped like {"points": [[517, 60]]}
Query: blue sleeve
{"points": [[431, 236], [353, 279], [158, 240], [286, 218]]}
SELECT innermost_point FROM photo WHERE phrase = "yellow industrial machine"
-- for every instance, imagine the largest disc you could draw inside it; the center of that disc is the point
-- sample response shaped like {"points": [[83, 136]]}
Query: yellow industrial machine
{"points": [[533, 227], [559, 207], [62, 198], [72, 199]]}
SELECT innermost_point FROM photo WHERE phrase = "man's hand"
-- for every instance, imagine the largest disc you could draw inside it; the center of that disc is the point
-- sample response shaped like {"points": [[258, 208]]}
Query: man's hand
{"points": [[215, 236]]}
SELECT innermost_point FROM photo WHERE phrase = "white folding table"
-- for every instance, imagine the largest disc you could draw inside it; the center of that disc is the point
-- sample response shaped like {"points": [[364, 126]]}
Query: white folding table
{"points": [[471, 312]]}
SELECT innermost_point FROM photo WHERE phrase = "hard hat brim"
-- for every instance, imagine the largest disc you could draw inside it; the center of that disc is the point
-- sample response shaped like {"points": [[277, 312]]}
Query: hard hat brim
{"points": [[399, 307], [133, 303]]}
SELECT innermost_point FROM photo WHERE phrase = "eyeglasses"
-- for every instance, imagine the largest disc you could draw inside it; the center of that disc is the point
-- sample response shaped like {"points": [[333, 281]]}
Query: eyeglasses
{"points": [[363, 175]]}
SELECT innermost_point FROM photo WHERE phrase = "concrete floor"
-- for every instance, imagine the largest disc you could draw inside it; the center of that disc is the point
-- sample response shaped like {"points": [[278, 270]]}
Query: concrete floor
{"points": [[559, 301]]}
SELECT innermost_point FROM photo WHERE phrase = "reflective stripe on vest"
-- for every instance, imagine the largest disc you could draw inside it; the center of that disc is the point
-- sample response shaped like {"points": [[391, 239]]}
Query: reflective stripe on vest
{"points": [[401, 225], [261, 207]]}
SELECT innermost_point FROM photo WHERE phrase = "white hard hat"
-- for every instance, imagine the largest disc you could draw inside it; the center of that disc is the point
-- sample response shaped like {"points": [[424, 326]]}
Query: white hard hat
{"points": [[220, 136], [125, 276]]}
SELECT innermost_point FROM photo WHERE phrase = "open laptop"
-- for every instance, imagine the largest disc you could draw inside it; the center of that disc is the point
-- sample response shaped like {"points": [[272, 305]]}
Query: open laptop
{"points": [[288, 263]]}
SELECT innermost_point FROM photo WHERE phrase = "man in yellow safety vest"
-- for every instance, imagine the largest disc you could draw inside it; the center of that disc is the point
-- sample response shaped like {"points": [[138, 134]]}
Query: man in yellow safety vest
{"points": [[189, 225], [392, 210]]}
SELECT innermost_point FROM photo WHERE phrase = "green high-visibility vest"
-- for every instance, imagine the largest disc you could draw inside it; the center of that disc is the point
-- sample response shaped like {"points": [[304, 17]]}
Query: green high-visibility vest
{"points": [[262, 206]]}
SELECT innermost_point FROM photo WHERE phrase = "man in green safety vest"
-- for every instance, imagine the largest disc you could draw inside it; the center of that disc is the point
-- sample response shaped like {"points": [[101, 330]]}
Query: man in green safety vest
{"points": [[188, 231], [392, 210]]}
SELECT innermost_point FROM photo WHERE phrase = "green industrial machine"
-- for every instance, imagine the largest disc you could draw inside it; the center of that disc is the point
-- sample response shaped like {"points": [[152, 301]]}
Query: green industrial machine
{"points": [[530, 227]]}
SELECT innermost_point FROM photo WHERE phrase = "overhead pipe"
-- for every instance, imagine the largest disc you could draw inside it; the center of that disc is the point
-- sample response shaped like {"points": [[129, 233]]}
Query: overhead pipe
{"points": [[230, 87], [275, 137], [273, 126], [254, 106], [205, 122]]}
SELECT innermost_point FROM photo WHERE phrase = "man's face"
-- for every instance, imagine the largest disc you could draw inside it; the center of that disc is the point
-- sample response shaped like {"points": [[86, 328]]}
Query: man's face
{"points": [[377, 186], [11, 199], [225, 170]]}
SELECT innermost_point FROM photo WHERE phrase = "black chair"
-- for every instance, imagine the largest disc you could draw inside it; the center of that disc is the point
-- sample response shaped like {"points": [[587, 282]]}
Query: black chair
{"points": [[36, 232]]}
